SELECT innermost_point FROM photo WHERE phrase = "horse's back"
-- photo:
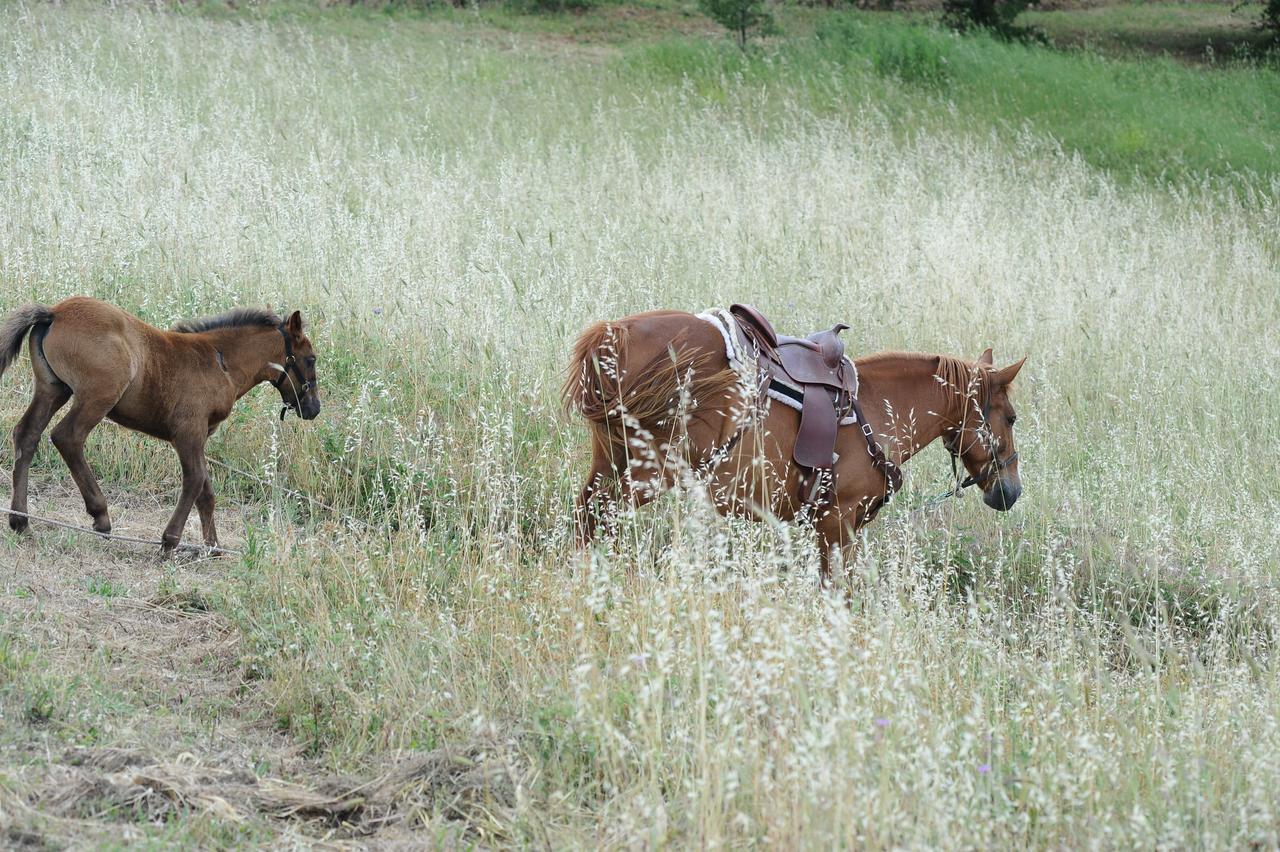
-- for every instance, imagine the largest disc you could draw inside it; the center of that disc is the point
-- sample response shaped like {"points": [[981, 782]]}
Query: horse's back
{"points": [[653, 335], [91, 341]]}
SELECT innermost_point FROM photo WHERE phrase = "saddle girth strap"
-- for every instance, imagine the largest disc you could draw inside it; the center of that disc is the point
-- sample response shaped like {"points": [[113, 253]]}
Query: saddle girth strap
{"points": [[892, 473]]}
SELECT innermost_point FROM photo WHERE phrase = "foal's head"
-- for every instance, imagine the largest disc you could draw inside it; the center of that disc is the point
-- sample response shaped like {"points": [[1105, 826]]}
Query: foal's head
{"points": [[297, 381], [982, 438]]}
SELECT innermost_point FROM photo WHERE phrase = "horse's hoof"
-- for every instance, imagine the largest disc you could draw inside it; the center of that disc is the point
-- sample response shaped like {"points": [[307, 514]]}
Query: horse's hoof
{"points": [[102, 526], [18, 525]]}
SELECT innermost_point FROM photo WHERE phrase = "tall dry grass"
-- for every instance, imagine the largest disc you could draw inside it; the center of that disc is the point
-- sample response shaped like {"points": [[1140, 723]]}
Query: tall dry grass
{"points": [[449, 208]]}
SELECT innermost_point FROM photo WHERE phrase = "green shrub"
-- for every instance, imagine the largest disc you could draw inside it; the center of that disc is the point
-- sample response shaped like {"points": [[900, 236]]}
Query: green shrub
{"points": [[741, 17], [1271, 17], [550, 6]]}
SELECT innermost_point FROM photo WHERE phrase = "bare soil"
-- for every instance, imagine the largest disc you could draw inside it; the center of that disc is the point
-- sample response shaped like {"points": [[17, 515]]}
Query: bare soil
{"points": [[125, 716]]}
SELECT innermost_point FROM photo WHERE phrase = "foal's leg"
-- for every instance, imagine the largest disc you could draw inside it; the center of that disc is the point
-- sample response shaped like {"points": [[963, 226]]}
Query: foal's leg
{"points": [[69, 437], [204, 503], [48, 398], [195, 476]]}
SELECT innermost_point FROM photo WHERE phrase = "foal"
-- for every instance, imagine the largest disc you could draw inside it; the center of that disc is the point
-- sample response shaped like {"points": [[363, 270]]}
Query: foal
{"points": [[173, 385], [661, 400]]}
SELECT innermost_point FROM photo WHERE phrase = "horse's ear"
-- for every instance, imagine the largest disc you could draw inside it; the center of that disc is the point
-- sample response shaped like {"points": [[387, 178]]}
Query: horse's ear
{"points": [[294, 323], [985, 359], [1005, 376]]}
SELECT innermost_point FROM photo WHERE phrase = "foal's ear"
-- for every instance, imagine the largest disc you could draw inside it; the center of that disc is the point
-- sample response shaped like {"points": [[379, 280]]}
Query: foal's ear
{"points": [[294, 323], [1005, 376], [985, 359]]}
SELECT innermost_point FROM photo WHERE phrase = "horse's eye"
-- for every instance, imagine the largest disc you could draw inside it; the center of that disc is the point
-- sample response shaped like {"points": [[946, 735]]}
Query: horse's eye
{"points": [[1013, 418]]}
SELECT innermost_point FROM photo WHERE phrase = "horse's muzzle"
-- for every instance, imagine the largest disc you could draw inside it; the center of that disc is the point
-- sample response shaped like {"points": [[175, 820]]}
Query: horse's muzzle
{"points": [[1002, 495], [310, 408]]}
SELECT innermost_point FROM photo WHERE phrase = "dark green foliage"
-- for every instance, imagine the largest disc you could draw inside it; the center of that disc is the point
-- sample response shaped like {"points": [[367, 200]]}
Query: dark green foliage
{"points": [[537, 6], [741, 17], [1271, 17], [994, 15]]}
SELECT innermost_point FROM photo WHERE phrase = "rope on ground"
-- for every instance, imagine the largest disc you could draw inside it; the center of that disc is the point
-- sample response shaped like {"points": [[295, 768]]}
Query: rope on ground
{"points": [[199, 548], [292, 493]]}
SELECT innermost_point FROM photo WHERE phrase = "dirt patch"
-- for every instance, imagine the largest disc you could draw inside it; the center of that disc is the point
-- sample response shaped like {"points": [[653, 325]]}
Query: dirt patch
{"points": [[124, 713], [127, 785]]}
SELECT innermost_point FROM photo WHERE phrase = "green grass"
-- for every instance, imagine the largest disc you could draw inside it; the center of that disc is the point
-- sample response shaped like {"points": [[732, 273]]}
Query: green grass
{"points": [[1134, 113], [1148, 117], [1191, 32]]}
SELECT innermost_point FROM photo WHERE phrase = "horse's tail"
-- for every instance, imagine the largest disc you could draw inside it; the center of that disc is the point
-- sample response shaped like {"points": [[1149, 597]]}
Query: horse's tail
{"points": [[14, 328], [604, 390], [592, 385]]}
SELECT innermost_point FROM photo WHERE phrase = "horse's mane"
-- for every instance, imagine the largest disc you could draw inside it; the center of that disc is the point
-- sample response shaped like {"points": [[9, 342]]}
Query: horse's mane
{"points": [[956, 374], [235, 318]]}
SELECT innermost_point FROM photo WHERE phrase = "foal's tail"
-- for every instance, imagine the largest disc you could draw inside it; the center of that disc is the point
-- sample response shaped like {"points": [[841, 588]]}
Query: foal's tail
{"points": [[605, 389], [14, 328]]}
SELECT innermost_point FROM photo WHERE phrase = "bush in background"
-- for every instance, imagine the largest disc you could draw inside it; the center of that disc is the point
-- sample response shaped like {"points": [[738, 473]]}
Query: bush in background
{"points": [[741, 17], [994, 15]]}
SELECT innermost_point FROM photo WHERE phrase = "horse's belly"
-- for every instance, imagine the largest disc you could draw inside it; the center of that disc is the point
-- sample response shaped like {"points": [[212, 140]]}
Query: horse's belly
{"points": [[145, 426], [758, 479]]}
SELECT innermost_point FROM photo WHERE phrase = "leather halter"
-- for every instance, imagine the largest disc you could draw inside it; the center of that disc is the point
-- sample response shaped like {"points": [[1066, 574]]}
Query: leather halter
{"points": [[289, 371], [992, 468]]}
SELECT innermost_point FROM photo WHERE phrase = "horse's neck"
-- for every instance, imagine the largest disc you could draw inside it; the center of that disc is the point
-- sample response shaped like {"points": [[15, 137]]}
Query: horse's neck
{"points": [[247, 351], [907, 406]]}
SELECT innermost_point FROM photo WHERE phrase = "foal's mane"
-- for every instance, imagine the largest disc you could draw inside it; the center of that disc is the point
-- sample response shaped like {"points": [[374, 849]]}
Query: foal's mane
{"points": [[235, 318]]}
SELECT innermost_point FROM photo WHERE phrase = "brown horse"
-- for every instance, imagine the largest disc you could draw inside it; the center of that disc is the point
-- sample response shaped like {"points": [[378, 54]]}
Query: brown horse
{"points": [[173, 385], [664, 405]]}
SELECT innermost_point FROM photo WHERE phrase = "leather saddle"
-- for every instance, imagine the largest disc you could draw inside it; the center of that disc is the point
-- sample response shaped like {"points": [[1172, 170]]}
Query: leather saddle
{"points": [[813, 371]]}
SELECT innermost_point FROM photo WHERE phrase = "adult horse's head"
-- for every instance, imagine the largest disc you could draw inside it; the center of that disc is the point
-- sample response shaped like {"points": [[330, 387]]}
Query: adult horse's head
{"points": [[297, 380], [982, 438]]}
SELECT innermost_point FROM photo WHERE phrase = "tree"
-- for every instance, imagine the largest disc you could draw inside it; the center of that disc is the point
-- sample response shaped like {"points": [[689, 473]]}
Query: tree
{"points": [[1271, 17], [738, 16], [994, 15]]}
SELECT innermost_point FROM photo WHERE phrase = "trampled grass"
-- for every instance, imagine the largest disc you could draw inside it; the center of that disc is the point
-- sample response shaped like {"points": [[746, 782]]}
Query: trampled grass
{"points": [[449, 209]]}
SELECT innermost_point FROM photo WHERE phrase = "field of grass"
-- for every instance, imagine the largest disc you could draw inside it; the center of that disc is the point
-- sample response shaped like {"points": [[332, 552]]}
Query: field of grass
{"points": [[449, 201], [1193, 32]]}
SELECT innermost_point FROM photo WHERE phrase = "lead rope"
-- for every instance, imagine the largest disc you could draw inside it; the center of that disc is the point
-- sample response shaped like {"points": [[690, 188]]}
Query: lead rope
{"points": [[200, 548]]}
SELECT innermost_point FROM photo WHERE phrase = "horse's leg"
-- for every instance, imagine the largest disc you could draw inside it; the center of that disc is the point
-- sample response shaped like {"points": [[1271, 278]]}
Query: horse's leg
{"points": [[46, 401], [837, 540], [195, 474], [204, 504], [69, 437], [613, 479], [601, 487]]}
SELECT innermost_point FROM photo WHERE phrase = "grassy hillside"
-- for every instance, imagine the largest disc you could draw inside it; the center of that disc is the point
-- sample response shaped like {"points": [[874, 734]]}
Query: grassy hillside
{"points": [[1149, 116], [449, 202]]}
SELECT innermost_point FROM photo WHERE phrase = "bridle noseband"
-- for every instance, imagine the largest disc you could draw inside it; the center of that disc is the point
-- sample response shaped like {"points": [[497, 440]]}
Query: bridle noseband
{"points": [[289, 371]]}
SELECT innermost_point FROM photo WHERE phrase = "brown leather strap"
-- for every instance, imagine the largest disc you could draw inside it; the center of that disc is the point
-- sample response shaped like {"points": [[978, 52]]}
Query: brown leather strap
{"points": [[816, 437], [892, 473]]}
